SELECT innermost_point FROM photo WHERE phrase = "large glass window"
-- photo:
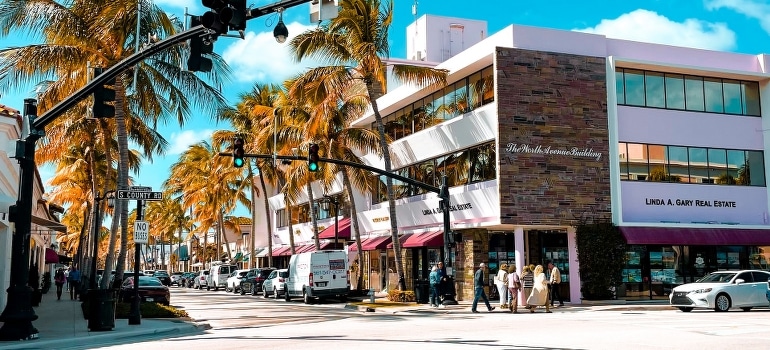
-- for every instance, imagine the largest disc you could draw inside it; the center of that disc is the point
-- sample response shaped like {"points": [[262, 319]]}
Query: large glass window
{"points": [[636, 87], [662, 163]]}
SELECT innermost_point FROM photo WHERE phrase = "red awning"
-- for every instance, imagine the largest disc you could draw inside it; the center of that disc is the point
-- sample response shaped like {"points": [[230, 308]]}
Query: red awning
{"points": [[311, 247], [401, 240], [343, 230], [51, 257], [279, 251], [372, 243], [425, 239], [695, 236]]}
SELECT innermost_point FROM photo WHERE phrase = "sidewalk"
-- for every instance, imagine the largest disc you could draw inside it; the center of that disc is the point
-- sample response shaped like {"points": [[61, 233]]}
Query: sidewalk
{"points": [[60, 324], [382, 304]]}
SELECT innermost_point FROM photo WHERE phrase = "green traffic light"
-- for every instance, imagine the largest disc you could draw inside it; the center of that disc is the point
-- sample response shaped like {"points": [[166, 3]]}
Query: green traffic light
{"points": [[312, 166], [238, 162]]}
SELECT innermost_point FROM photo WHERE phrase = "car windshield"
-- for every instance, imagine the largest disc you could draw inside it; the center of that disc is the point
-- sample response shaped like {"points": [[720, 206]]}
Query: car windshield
{"points": [[721, 277], [149, 281], [265, 273]]}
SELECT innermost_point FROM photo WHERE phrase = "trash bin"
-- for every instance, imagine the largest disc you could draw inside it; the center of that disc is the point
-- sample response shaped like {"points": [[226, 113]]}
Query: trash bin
{"points": [[101, 315], [448, 291], [421, 291]]}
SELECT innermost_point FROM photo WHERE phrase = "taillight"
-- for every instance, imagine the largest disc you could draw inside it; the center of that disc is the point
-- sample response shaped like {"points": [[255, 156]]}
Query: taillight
{"points": [[347, 277], [310, 279]]}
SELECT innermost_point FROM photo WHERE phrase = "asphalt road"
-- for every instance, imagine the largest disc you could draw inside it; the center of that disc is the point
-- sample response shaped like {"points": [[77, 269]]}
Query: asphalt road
{"points": [[253, 322]]}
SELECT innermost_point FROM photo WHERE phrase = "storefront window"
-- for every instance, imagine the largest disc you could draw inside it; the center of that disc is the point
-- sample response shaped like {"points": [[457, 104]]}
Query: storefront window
{"points": [[501, 251]]}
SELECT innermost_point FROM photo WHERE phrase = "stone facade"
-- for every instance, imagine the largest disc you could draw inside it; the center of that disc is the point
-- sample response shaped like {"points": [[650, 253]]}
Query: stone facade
{"points": [[553, 137]]}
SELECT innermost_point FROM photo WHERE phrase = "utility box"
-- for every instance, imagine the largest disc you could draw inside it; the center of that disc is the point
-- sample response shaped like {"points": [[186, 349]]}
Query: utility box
{"points": [[322, 10]]}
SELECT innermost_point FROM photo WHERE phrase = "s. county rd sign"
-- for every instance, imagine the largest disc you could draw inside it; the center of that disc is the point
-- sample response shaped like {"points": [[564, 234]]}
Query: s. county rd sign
{"points": [[140, 195]]}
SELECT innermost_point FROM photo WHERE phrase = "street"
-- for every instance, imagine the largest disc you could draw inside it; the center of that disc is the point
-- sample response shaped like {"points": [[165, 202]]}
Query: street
{"points": [[247, 322]]}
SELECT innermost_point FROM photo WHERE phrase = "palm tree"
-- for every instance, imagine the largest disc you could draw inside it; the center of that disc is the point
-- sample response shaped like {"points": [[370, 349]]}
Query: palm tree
{"points": [[92, 33], [355, 41]]}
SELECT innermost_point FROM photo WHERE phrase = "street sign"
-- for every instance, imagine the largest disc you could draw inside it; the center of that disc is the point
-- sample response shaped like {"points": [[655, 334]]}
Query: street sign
{"points": [[140, 188], [140, 195], [141, 231]]}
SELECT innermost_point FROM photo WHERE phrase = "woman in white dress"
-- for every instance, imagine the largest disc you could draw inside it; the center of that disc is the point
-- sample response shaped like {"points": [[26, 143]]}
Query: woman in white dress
{"points": [[501, 282], [539, 296]]}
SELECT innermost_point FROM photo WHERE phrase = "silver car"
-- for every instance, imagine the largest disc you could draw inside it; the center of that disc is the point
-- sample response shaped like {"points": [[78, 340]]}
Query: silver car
{"points": [[723, 290]]}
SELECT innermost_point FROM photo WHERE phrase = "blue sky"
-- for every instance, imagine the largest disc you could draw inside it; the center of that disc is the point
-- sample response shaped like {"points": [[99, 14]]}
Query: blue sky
{"points": [[728, 25]]}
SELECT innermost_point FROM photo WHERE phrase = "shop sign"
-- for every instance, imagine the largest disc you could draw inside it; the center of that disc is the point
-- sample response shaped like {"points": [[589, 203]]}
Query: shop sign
{"points": [[554, 151], [690, 203], [464, 206]]}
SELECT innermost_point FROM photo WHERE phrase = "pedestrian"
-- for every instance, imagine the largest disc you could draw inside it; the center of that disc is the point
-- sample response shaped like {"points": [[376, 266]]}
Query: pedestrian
{"points": [[527, 280], [443, 288], [435, 280], [553, 283], [501, 282], [539, 296], [67, 277], [74, 282], [59, 279], [514, 285], [478, 286]]}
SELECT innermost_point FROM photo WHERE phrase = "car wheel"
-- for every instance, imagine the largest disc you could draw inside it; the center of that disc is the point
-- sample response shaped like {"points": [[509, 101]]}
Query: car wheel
{"points": [[685, 309], [216, 288], [286, 296], [747, 309], [264, 292], [722, 303], [243, 291], [208, 287], [275, 293], [305, 297]]}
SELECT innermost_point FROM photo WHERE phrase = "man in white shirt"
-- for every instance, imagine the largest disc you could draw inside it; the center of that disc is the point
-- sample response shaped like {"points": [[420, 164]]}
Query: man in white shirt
{"points": [[553, 283]]}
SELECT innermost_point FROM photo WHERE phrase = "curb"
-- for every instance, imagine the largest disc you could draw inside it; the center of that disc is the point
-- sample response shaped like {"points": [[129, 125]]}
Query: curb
{"points": [[107, 338]]}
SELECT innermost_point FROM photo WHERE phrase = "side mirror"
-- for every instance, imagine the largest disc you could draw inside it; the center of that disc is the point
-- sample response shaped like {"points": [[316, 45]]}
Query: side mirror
{"points": [[739, 281]]}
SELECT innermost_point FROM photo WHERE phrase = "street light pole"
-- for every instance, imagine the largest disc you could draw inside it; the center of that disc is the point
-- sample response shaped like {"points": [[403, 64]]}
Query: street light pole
{"points": [[18, 314], [135, 315], [335, 202]]}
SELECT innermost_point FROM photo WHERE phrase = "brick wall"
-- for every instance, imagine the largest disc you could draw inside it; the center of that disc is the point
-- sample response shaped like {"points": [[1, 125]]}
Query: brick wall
{"points": [[550, 104]]}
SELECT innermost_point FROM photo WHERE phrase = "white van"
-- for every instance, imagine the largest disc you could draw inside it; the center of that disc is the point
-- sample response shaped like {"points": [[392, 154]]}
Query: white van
{"points": [[318, 274], [218, 276]]}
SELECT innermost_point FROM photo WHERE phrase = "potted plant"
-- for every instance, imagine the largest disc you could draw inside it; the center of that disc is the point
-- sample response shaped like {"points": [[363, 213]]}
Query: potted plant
{"points": [[34, 284], [46, 282]]}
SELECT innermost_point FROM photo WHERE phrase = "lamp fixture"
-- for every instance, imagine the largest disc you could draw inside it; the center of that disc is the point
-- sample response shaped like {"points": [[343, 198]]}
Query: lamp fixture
{"points": [[280, 32]]}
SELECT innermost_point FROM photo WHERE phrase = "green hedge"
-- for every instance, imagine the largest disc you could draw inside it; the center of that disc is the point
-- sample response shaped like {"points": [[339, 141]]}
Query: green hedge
{"points": [[601, 250], [150, 310]]}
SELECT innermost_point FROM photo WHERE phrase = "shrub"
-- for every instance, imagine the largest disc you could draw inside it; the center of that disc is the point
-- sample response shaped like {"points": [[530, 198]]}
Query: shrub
{"points": [[601, 250], [401, 296], [150, 310]]}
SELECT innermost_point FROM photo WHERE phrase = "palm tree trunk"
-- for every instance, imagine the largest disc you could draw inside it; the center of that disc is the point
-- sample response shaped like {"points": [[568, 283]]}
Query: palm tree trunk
{"points": [[267, 218], [354, 227], [313, 216], [291, 229], [223, 234], [120, 206], [388, 184], [253, 210], [83, 237]]}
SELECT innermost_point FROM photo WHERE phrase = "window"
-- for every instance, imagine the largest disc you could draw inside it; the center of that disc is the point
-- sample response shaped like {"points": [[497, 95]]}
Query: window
{"points": [[674, 91], [732, 96], [619, 89], [623, 157], [698, 165], [634, 87], [655, 94], [750, 91], [658, 163], [718, 167], [754, 170], [281, 218], [735, 162], [693, 90], [678, 164], [712, 88], [638, 166]]}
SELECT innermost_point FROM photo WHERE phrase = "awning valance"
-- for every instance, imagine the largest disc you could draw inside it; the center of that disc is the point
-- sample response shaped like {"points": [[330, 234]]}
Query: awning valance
{"points": [[51, 257], [343, 228], [695, 236], [425, 239], [53, 225], [372, 243]]}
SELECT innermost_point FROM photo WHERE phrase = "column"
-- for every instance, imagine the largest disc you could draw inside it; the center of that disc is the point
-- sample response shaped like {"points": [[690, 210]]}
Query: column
{"points": [[574, 268], [518, 243]]}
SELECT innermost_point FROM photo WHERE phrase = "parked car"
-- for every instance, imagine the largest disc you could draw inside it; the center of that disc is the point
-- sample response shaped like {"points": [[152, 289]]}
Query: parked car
{"points": [[188, 278], [163, 276], [218, 276], [252, 282], [176, 278], [723, 290], [234, 280], [275, 283], [148, 272], [150, 290], [200, 279]]}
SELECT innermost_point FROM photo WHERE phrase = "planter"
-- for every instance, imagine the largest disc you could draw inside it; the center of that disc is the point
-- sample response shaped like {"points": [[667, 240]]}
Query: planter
{"points": [[37, 297], [101, 310]]}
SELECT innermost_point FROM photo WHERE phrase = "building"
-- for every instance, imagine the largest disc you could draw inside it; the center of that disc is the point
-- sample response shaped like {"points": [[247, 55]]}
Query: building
{"points": [[539, 129]]}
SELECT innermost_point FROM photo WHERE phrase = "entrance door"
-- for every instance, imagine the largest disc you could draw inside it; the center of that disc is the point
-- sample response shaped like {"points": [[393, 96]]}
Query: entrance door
{"points": [[544, 246]]}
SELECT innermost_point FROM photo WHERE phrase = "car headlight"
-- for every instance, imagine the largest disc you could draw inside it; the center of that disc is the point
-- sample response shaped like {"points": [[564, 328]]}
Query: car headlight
{"points": [[700, 291]]}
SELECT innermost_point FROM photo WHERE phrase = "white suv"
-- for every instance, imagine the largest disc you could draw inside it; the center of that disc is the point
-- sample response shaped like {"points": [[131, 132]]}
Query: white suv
{"points": [[234, 280], [201, 279], [275, 283]]}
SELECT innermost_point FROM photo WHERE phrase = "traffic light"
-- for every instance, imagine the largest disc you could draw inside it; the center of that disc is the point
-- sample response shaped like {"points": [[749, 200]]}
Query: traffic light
{"points": [[238, 153], [103, 94], [225, 15], [312, 157], [199, 47]]}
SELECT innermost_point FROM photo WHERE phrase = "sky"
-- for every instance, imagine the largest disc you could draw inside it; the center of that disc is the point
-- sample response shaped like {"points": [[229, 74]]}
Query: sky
{"points": [[727, 25]]}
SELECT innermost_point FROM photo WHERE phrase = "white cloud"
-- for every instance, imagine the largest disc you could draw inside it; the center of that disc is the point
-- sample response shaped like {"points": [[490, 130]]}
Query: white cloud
{"points": [[183, 140], [179, 4], [749, 8], [648, 26], [260, 58]]}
